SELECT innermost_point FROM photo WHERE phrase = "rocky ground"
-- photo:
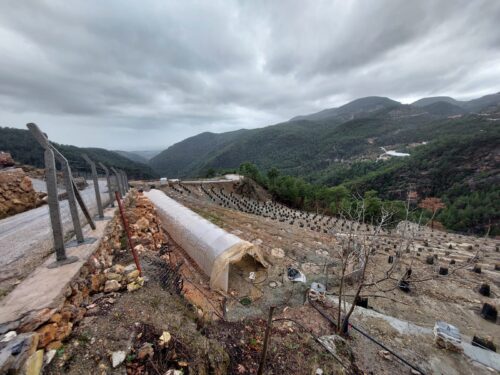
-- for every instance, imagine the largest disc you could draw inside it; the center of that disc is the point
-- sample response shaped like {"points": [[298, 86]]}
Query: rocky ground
{"points": [[22, 187], [455, 297], [174, 324], [16, 191]]}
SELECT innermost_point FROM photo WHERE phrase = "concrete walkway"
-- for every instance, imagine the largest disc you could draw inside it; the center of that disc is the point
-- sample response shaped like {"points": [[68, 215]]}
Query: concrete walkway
{"points": [[26, 238], [44, 288]]}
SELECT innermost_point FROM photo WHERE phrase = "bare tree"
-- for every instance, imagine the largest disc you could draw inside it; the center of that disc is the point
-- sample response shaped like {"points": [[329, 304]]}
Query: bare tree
{"points": [[432, 204], [354, 252]]}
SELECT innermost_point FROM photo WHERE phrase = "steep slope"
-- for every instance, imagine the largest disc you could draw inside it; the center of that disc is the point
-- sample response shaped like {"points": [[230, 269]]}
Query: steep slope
{"points": [[463, 170], [470, 160], [24, 149], [180, 159], [483, 104]]}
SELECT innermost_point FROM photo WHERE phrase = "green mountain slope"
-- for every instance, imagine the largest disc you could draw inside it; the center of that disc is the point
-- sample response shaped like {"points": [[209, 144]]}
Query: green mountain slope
{"points": [[435, 99], [181, 159], [463, 170], [24, 149], [357, 108], [310, 145], [444, 109]]}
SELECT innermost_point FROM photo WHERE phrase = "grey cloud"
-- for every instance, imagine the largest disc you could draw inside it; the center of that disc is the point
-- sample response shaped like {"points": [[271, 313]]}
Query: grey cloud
{"points": [[168, 69]]}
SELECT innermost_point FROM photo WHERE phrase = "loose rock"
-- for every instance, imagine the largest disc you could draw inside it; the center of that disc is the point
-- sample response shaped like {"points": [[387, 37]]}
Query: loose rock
{"points": [[117, 358], [111, 286]]}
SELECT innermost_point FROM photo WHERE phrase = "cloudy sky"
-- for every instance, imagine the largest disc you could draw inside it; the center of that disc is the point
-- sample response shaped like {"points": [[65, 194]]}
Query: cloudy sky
{"points": [[140, 75]]}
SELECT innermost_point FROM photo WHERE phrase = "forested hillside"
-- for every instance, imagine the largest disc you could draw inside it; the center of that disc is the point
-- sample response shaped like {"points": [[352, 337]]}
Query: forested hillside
{"points": [[24, 149], [182, 158], [308, 147], [462, 171]]}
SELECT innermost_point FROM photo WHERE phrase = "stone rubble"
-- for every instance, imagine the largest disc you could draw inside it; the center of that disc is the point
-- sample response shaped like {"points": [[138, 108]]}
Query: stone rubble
{"points": [[16, 193], [6, 160], [45, 330]]}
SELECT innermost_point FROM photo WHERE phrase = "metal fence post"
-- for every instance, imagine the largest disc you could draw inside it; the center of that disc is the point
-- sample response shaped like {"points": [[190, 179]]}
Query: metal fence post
{"points": [[122, 183], [122, 180], [72, 201], [110, 188], [53, 202], [125, 180], [96, 185], [68, 184], [118, 181]]}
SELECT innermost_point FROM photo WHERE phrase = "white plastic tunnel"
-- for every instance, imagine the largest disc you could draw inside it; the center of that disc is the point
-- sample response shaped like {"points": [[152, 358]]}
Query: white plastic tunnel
{"points": [[211, 247]]}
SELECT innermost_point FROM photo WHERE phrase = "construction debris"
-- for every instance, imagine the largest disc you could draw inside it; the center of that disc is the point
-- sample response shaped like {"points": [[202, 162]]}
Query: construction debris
{"points": [[317, 292], [295, 275], [447, 336]]}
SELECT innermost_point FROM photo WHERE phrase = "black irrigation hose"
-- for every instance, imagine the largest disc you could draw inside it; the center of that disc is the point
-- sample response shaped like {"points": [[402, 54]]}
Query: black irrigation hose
{"points": [[370, 338], [316, 338], [386, 348]]}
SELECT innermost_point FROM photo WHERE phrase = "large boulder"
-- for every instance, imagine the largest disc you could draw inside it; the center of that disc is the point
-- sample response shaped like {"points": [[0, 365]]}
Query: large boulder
{"points": [[6, 160]]}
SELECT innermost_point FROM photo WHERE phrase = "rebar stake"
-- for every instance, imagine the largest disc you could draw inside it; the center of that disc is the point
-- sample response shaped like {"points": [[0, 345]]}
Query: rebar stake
{"points": [[127, 230], [266, 340]]}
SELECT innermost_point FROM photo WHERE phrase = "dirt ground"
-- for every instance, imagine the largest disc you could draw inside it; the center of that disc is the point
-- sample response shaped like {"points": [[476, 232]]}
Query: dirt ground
{"points": [[219, 334], [176, 299], [453, 297]]}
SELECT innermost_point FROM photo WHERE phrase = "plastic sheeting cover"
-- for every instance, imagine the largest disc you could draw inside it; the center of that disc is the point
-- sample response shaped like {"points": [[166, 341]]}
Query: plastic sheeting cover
{"points": [[211, 247]]}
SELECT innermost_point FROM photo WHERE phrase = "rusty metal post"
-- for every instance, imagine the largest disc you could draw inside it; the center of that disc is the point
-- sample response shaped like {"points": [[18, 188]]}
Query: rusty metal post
{"points": [[266, 340], [53, 201], [127, 230], [110, 188], [100, 211]]}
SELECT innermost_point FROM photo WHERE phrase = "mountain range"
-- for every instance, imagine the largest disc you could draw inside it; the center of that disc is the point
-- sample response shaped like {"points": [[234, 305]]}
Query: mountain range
{"points": [[309, 144], [453, 147]]}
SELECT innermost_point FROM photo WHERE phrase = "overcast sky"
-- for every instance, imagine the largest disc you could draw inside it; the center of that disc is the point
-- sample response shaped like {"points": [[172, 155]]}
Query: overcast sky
{"points": [[140, 75]]}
